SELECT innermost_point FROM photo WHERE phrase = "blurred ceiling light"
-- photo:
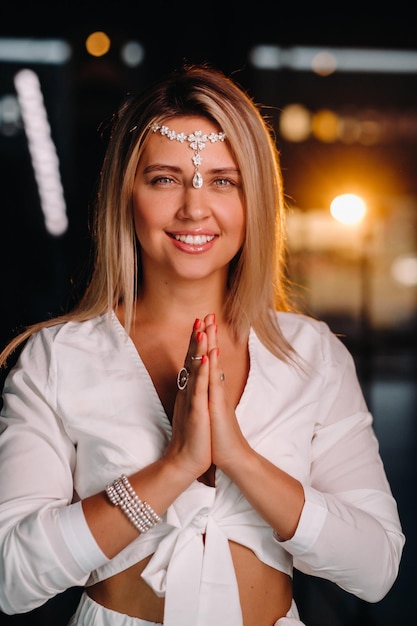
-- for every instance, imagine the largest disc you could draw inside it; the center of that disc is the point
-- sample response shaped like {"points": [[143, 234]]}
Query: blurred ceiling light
{"points": [[404, 270], [295, 122], [267, 57], [348, 208], [306, 58], [42, 151], [53, 51], [324, 63], [10, 121], [132, 53], [98, 44]]}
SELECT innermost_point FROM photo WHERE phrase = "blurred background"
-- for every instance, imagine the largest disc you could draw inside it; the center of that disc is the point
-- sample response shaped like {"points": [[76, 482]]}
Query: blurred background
{"points": [[340, 90]]}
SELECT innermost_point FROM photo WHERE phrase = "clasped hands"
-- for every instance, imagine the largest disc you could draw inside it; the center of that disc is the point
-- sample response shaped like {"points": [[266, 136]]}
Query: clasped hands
{"points": [[205, 430]]}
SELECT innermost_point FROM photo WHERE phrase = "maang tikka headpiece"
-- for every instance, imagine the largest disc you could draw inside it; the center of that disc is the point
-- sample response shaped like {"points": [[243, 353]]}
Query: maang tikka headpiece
{"points": [[196, 141]]}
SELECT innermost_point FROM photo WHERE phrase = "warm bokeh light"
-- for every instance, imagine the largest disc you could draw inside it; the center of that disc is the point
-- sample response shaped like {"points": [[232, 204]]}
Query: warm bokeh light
{"points": [[98, 44], [404, 270], [348, 208], [349, 129], [295, 122], [325, 126]]}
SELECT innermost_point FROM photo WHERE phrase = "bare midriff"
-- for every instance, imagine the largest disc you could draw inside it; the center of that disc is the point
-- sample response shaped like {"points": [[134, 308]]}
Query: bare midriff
{"points": [[265, 593]]}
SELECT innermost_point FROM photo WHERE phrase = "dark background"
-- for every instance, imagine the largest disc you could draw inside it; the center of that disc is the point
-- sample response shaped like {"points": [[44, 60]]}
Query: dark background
{"points": [[41, 275]]}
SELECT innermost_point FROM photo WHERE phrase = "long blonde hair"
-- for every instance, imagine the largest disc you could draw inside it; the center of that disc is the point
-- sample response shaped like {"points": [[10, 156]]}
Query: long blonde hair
{"points": [[257, 281]]}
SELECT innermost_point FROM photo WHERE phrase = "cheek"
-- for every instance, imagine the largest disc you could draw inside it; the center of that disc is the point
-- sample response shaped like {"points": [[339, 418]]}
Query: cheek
{"points": [[137, 220], [143, 215], [142, 223], [238, 223], [149, 221]]}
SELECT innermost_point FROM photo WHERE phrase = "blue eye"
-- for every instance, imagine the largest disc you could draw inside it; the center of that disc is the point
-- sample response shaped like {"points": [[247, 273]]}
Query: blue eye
{"points": [[223, 182], [161, 180]]}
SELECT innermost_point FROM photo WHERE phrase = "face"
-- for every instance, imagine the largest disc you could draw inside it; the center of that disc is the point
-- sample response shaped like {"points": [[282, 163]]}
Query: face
{"points": [[187, 232]]}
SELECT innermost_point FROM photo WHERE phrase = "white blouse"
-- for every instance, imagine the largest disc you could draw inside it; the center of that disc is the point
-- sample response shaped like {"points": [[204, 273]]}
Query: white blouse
{"points": [[80, 409]]}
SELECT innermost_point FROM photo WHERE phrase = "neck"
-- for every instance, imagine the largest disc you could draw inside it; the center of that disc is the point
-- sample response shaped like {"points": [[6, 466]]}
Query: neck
{"points": [[183, 302]]}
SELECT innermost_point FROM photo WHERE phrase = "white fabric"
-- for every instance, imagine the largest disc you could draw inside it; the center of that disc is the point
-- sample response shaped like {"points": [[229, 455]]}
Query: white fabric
{"points": [[80, 409], [91, 613]]}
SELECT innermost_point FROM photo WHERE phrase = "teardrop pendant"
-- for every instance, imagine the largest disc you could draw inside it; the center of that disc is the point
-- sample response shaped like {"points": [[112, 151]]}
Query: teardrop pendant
{"points": [[197, 181]]}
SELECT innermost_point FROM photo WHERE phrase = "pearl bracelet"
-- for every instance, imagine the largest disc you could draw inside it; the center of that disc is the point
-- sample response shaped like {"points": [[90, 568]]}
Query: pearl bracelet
{"points": [[121, 493]]}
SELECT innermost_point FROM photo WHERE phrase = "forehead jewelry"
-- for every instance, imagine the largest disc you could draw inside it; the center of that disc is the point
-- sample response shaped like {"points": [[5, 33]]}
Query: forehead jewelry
{"points": [[196, 141]]}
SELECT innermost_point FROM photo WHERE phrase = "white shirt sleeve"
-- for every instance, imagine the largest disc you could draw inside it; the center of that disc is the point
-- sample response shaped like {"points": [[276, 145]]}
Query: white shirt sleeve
{"points": [[44, 539], [349, 531]]}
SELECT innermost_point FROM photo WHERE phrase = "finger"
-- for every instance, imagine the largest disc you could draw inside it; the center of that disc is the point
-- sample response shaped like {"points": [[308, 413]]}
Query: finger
{"points": [[217, 376], [193, 344], [213, 348], [198, 373], [212, 334], [198, 345], [210, 321], [200, 383], [196, 339], [197, 349]]}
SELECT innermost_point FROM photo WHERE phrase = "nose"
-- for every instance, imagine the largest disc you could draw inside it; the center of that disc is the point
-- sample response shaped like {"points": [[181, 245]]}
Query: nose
{"points": [[194, 206]]}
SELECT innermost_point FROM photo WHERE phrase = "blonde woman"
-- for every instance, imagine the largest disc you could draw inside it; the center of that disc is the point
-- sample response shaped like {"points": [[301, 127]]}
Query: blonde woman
{"points": [[182, 440]]}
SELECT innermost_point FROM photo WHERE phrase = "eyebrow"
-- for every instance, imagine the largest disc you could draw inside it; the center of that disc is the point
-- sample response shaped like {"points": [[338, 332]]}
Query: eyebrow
{"points": [[160, 166], [224, 170], [174, 168]]}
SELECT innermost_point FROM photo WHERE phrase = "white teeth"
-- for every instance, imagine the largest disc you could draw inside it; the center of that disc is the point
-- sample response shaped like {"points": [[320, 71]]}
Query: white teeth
{"points": [[194, 240]]}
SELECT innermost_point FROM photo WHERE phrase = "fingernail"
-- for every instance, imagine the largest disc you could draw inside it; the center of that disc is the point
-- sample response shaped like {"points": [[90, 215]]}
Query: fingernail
{"points": [[199, 336], [204, 358], [197, 323]]}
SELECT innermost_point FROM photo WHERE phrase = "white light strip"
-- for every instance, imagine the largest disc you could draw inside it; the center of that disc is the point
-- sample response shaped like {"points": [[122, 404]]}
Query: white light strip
{"points": [[42, 151], [300, 58], [52, 51]]}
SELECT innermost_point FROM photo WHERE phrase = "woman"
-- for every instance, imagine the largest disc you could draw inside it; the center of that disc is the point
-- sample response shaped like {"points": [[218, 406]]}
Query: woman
{"points": [[182, 440]]}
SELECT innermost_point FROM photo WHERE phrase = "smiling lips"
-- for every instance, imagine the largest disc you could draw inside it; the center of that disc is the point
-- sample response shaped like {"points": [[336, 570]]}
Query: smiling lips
{"points": [[193, 244], [194, 240]]}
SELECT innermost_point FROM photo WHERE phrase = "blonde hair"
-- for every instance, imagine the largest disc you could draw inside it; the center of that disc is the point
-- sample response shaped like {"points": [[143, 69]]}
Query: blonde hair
{"points": [[257, 285]]}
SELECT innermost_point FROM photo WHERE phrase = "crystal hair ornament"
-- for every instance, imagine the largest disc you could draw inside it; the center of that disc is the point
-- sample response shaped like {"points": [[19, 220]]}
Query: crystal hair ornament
{"points": [[196, 141]]}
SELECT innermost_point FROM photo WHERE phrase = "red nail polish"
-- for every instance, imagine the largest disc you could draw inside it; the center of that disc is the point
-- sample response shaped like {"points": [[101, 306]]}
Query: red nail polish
{"points": [[204, 358], [197, 323], [199, 336]]}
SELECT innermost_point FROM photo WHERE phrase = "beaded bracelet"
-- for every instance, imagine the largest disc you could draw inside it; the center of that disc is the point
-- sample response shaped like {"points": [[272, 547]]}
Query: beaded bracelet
{"points": [[121, 493]]}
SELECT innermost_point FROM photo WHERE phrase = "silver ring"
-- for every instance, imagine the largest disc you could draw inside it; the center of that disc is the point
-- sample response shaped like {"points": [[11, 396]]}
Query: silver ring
{"points": [[196, 358], [222, 377], [182, 378]]}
